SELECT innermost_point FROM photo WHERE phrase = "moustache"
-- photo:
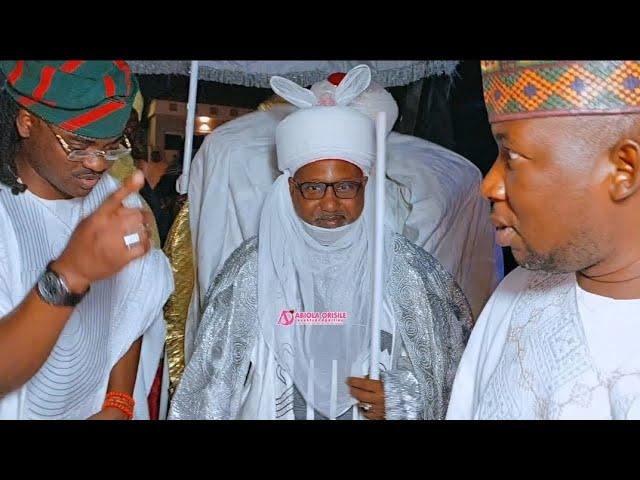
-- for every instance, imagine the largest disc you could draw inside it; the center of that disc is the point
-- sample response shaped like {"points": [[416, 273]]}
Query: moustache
{"points": [[331, 216], [88, 174]]}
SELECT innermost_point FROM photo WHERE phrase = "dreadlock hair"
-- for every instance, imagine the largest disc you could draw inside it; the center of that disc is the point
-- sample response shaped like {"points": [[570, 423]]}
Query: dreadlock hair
{"points": [[10, 142]]}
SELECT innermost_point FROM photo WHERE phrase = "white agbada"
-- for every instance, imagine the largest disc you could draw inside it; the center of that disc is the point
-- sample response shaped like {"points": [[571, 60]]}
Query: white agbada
{"points": [[72, 382], [432, 194], [544, 348]]}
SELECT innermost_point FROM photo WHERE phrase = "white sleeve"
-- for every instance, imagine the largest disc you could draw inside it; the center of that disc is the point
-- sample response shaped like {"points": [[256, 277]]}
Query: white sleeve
{"points": [[464, 391], [6, 254]]}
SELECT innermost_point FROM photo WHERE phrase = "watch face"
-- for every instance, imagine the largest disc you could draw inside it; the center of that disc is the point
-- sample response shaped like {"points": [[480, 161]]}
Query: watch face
{"points": [[53, 290], [50, 287]]}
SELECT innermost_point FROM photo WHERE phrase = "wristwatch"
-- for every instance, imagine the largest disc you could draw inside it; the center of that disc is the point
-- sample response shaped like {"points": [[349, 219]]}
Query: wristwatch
{"points": [[54, 291]]}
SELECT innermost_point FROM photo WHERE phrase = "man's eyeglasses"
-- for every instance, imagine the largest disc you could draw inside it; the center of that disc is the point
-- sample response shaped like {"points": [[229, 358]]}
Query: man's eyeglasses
{"points": [[343, 189], [83, 155]]}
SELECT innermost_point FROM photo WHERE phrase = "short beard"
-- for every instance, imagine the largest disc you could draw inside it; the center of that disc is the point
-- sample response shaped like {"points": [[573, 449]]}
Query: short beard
{"points": [[576, 255]]}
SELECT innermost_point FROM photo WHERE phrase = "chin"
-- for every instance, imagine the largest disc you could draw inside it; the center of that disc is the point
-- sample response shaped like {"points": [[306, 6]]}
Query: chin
{"points": [[542, 262], [337, 224], [78, 192]]}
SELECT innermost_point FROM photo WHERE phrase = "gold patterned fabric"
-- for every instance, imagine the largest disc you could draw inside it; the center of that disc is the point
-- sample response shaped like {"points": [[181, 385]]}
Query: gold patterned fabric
{"points": [[270, 102], [179, 250]]}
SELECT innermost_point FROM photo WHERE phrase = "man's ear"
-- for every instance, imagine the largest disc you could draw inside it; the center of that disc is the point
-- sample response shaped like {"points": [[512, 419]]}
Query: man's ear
{"points": [[292, 186], [626, 179], [25, 122]]}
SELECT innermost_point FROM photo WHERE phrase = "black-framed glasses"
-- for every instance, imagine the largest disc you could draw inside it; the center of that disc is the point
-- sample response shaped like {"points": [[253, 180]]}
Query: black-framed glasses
{"points": [[346, 189], [83, 155]]}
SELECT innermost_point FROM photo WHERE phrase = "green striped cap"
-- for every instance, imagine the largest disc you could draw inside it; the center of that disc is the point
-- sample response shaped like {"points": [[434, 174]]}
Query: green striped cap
{"points": [[85, 97]]}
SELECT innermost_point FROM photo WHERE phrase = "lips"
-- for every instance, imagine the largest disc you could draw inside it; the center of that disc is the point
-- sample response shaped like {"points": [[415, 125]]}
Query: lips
{"points": [[87, 182], [332, 220], [504, 236], [504, 232]]}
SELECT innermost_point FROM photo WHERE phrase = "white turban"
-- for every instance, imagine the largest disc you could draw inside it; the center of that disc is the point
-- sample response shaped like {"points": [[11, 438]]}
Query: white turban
{"points": [[318, 133], [327, 127]]}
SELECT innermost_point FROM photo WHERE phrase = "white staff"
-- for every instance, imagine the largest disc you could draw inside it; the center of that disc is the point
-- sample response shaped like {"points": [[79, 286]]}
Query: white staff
{"points": [[183, 182], [378, 245]]}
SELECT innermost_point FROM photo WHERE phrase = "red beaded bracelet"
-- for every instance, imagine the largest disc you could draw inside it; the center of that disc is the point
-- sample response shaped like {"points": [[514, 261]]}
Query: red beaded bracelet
{"points": [[122, 401]]}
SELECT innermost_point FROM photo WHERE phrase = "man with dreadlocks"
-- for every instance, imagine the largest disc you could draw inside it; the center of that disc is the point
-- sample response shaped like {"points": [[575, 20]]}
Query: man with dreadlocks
{"points": [[80, 336]]}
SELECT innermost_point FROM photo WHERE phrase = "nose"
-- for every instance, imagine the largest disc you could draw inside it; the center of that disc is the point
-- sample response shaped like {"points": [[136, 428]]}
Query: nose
{"points": [[329, 203], [492, 187], [97, 163]]}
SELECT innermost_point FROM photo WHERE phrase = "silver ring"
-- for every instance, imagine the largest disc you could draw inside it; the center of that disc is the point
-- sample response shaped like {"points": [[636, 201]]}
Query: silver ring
{"points": [[131, 240], [366, 406]]}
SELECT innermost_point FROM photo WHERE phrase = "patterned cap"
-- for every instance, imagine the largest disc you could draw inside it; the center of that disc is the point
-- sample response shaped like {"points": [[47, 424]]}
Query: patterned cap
{"points": [[85, 97], [528, 89]]}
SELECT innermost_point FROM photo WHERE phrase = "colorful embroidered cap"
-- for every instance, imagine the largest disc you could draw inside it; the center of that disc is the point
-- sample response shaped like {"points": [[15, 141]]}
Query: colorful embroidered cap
{"points": [[527, 89]]}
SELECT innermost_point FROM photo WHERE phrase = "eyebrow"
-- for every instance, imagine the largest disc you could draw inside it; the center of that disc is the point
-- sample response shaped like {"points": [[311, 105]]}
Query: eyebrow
{"points": [[86, 142], [76, 139], [336, 181], [117, 140]]}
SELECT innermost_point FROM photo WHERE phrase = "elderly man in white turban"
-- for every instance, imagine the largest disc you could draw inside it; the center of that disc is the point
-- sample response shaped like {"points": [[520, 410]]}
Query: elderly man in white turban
{"points": [[433, 194], [286, 330]]}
